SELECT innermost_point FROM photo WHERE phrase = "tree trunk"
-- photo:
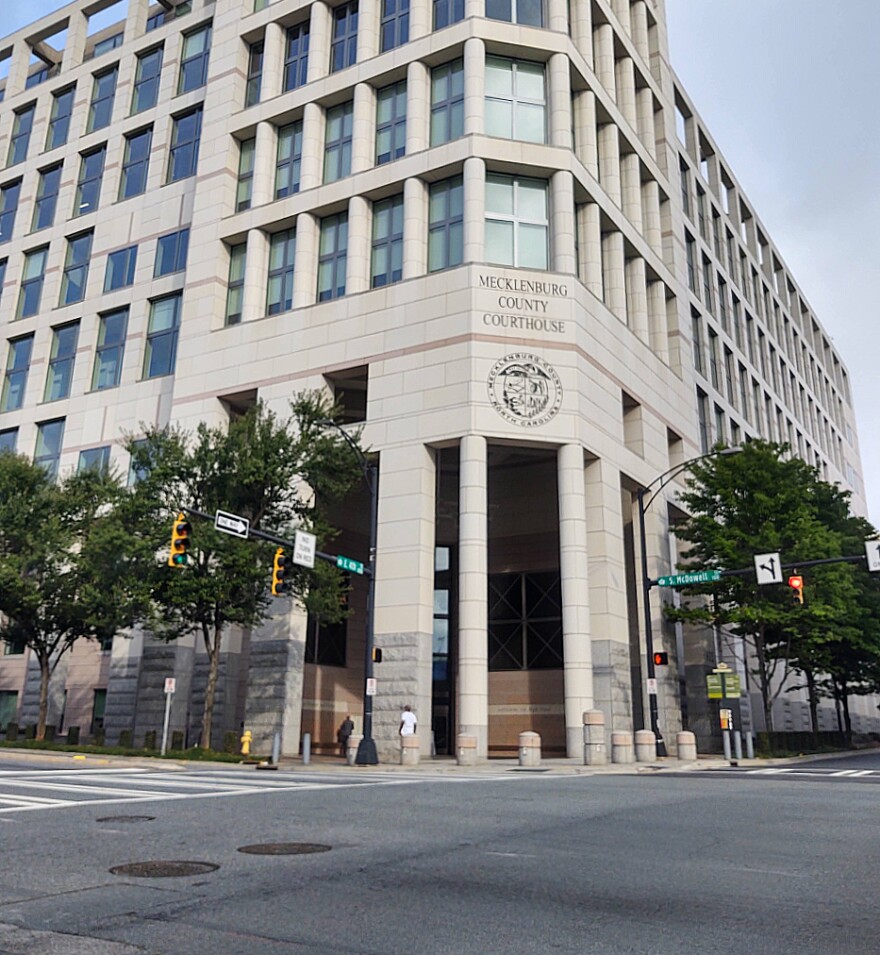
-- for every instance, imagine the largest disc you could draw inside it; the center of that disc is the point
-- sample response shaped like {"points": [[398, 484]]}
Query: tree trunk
{"points": [[45, 673], [813, 695], [213, 648], [765, 682], [847, 719]]}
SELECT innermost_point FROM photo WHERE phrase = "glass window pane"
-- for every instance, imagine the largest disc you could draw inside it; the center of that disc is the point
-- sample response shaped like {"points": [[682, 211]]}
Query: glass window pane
{"points": [[499, 242], [499, 118], [532, 199], [499, 195], [530, 123], [532, 246], [530, 80], [499, 77]]}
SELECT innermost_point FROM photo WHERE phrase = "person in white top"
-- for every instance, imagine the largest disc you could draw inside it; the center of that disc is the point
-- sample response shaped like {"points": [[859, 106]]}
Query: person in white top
{"points": [[407, 722]]}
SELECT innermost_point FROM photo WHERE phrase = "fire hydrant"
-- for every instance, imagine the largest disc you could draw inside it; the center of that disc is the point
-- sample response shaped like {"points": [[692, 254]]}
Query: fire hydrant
{"points": [[246, 738]]}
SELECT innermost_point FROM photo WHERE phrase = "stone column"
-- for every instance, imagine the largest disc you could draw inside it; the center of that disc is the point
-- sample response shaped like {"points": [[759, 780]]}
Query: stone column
{"points": [[631, 189], [645, 119], [474, 210], [136, 19], [363, 127], [557, 15], [420, 19], [474, 8], [312, 165], [626, 89], [368, 29], [657, 323], [418, 113], [639, 32], [621, 11], [590, 247], [576, 649], [18, 70], [586, 134], [603, 57], [473, 666], [612, 273], [320, 27], [415, 228], [637, 298], [651, 215], [75, 45], [274, 51], [582, 30], [560, 101], [357, 278], [474, 86], [609, 161], [305, 270], [256, 272], [265, 156], [563, 232]]}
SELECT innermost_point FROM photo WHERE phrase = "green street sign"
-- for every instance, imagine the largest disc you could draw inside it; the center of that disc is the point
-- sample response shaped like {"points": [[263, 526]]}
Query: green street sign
{"points": [[697, 577], [716, 689], [349, 564]]}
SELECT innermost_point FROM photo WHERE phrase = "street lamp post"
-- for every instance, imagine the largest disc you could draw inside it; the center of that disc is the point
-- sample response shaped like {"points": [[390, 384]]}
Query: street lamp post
{"points": [[366, 753], [647, 583]]}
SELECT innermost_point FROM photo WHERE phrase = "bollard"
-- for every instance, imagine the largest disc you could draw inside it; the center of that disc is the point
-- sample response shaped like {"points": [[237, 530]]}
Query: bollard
{"points": [[725, 740], [594, 738], [750, 746], [737, 745], [686, 745], [646, 746], [352, 750], [409, 750], [622, 748], [276, 749], [307, 748], [466, 750], [529, 749]]}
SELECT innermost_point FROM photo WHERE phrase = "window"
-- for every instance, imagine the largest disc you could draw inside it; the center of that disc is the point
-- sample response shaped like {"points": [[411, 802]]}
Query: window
{"points": [[528, 12], [685, 176], [296, 57], [8, 440], [390, 123], [185, 136], [690, 252], [135, 164], [171, 252], [120, 268], [47, 198], [59, 118], [91, 174], [2, 276], [515, 99], [289, 160], [21, 134], [445, 224], [76, 269], [50, 436], [446, 12], [254, 74], [387, 255], [99, 704], [244, 192], [18, 362], [61, 361], [8, 207], [103, 93], [447, 102], [235, 287], [326, 642], [8, 706], [107, 44], [337, 142], [713, 358], [146, 80], [162, 336], [32, 282], [282, 250], [110, 350], [332, 257], [394, 30], [343, 46], [525, 621], [703, 418], [517, 221], [97, 459], [194, 59]]}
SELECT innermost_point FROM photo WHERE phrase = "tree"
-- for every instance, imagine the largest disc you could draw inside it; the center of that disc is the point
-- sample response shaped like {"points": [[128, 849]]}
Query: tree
{"points": [[278, 473], [67, 571]]}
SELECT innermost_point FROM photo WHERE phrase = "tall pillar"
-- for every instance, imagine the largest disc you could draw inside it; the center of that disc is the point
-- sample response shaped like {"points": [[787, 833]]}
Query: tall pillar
{"points": [[418, 113], [637, 298], [474, 210], [603, 56], [631, 189], [305, 270], [474, 8], [75, 45], [560, 101], [557, 15], [590, 247], [473, 567], [659, 332], [645, 119], [415, 228], [357, 278], [363, 126], [256, 271], [609, 161], [265, 152], [639, 33], [576, 648], [563, 232], [312, 164], [136, 19], [274, 51], [474, 86], [626, 89], [420, 17], [621, 11], [651, 215], [586, 133], [612, 273], [320, 26], [582, 30], [368, 29]]}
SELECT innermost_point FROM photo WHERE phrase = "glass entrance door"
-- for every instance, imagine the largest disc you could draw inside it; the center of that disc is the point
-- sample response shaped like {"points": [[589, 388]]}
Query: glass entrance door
{"points": [[442, 688]]}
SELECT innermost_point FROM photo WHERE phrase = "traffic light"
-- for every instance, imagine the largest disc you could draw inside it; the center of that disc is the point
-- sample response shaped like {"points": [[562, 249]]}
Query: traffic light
{"points": [[661, 659], [280, 570], [377, 654], [796, 582], [180, 541]]}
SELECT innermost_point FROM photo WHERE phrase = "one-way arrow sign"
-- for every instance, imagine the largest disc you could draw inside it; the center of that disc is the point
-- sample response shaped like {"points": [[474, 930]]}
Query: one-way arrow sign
{"points": [[232, 524], [872, 552], [768, 568]]}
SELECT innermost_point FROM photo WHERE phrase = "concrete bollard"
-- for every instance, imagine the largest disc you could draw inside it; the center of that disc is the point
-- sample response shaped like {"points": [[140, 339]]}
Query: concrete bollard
{"points": [[594, 738], [622, 748], [409, 750], [646, 746], [686, 745], [352, 748], [529, 749], [466, 750]]}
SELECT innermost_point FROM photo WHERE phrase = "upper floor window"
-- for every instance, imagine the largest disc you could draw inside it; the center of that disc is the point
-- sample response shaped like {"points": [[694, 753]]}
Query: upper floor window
{"points": [[332, 257], [527, 12], [447, 102], [296, 57], [337, 142], [515, 99], [386, 263], [343, 46], [120, 268], [61, 362], [47, 198], [391, 123], [135, 164], [517, 221], [162, 332], [21, 134], [185, 136], [18, 363], [59, 118], [445, 224], [50, 437], [446, 12], [91, 175], [76, 269], [2, 276], [289, 160], [255, 74], [110, 350], [194, 59], [103, 94], [171, 252], [282, 252], [244, 190], [97, 459], [8, 440], [394, 29], [32, 275], [235, 286], [8, 208], [146, 80]]}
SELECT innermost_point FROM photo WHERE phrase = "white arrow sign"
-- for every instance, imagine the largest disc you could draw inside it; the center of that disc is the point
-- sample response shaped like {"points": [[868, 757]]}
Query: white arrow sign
{"points": [[768, 568], [304, 549], [872, 551], [232, 524]]}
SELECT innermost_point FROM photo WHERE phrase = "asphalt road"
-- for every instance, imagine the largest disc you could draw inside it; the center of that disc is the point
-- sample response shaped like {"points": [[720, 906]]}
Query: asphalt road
{"points": [[588, 865]]}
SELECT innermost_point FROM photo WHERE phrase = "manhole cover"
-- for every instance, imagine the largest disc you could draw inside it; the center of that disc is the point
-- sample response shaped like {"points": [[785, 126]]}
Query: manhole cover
{"points": [[284, 848], [163, 870], [126, 819]]}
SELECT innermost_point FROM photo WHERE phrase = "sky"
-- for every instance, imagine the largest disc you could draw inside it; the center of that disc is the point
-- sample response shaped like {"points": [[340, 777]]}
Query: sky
{"points": [[787, 89]]}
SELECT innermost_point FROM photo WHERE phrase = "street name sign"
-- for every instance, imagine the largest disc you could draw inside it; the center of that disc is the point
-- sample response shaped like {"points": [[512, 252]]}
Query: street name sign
{"points": [[872, 552], [696, 577], [304, 549], [349, 564], [232, 524], [768, 568]]}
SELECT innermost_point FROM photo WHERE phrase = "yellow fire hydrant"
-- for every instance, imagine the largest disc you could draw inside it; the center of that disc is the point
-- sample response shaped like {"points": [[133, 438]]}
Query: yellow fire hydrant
{"points": [[246, 738]]}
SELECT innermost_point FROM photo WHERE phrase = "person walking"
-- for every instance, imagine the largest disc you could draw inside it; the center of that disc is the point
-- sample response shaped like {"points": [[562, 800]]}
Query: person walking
{"points": [[343, 734], [408, 722]]}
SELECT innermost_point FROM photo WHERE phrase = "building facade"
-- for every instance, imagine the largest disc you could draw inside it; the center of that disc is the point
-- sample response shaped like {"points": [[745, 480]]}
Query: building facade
{"points": [[499, 234]]}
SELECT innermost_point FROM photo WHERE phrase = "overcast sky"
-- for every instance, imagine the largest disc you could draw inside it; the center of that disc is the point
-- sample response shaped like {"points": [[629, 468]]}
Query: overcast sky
{"points": [[788, 90]]}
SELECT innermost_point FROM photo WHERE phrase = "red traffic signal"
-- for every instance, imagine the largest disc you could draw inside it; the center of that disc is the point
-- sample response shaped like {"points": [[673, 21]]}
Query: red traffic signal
{"points": [[661, 659], [796, 582]]}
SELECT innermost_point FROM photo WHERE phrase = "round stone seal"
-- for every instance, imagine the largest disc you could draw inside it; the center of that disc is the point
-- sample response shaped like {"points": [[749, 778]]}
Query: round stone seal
{"points": [[524, 389]]}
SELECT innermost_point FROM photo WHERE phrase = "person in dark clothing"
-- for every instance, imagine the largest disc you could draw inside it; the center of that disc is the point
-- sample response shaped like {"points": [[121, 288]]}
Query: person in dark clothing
{"points": [[345, 730]]}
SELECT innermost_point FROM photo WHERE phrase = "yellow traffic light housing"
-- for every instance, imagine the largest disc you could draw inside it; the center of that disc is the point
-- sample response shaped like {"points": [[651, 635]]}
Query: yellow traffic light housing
{"points": [[180, 541], [796, 582], [280, 570]]}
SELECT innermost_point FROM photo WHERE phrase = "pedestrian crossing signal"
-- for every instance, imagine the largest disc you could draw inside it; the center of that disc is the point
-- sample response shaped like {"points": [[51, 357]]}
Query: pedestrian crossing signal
{"points": [[661, 659], [180, 542], [280, 570], [796, 582]]}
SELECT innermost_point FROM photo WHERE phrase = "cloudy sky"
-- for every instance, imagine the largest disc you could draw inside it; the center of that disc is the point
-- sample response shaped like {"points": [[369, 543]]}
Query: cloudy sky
{"points": [[788, 89]]}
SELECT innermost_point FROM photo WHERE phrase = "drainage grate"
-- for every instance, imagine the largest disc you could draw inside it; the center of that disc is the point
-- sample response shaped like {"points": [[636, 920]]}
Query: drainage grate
{"points": [[284, 848], [126, 819], [527, 769], [163, 870]]}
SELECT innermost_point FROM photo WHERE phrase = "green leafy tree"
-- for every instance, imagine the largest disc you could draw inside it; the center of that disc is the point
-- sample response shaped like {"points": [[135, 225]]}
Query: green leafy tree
{"points": [[279, 473]]}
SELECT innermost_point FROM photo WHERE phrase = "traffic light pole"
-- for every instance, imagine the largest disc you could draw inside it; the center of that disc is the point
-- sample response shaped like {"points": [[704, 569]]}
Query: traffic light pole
{"points": [[647, 583], [366, 753]]}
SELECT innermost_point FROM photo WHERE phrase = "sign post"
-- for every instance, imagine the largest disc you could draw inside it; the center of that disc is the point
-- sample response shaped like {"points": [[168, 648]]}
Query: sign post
{"points": [[170, 686]]}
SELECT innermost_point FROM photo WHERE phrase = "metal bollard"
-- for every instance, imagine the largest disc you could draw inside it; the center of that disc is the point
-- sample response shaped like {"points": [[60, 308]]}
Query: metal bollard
{"points": [[737, 745], [466, 750], [594, 738], [307, 748], [622, 748], [276, 749], [686, 745], [409, 750], [750, 746], [352, 749], [529, 749], [646, 746]]}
